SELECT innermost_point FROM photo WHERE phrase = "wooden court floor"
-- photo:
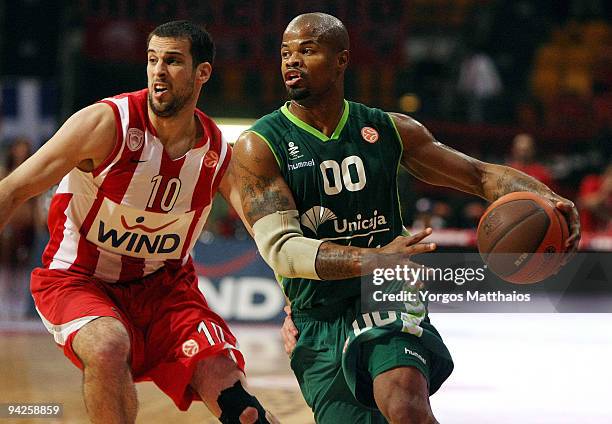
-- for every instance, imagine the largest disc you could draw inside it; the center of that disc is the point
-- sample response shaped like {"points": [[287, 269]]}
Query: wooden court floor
{"points": [[509, 368], [33, 369]]}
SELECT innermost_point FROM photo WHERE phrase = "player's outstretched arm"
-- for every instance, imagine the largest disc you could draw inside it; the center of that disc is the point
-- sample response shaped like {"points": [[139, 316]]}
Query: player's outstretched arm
{"points": [[84, 140], [435, 163], [268, 206]]}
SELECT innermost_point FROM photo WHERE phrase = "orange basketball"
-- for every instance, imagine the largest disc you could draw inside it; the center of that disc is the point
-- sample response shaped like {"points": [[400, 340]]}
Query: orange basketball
{"points": [[521, 237]]}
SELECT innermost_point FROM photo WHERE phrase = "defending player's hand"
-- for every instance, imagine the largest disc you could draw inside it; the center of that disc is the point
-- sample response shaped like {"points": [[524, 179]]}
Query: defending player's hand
{"points": [[289, 332]]}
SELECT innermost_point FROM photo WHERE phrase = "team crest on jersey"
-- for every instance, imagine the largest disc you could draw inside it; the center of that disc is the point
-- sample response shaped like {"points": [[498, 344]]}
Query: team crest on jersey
{"points": [[135, 139], [360, 226], [294, 151], [369, 134], [316, 216], [190, 347], [211, 159]]}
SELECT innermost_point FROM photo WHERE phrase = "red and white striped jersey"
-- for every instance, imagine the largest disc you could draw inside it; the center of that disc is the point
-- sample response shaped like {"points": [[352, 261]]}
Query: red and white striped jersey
{"points": [[138, 210]]}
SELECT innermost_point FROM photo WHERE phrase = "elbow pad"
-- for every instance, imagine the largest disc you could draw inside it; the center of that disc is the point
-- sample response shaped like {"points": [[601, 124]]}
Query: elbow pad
{"points": [[283, 246]]}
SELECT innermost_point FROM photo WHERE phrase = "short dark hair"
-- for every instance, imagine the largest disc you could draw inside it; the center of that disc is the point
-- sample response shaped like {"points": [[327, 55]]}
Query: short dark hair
{"points": [[202, 45]]}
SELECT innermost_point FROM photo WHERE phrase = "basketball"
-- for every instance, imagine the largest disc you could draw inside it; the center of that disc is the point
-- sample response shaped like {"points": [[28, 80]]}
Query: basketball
{"points": [[521, 237]]}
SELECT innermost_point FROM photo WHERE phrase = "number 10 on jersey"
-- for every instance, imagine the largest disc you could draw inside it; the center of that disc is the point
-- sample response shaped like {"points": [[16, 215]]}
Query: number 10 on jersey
{"points": [[171, 190]]}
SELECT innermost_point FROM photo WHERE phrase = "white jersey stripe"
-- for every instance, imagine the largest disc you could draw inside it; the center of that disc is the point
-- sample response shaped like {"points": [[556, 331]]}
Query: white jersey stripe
{"points": [[191, 168], [141, 185], [151, 266], [108, 267], [67, 252], [61, 332], [124, 113]]}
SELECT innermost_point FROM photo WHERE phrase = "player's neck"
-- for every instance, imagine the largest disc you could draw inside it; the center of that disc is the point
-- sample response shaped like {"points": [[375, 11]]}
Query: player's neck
{"points": [[324, 114], [181, 128]]}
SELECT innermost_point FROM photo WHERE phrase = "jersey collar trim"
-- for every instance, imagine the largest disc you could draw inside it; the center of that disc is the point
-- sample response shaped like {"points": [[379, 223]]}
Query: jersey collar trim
{"points": [[312, 130]]}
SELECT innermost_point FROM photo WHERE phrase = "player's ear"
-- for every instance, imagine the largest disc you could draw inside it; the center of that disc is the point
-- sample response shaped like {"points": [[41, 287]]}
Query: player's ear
{"points": [[203, 72], [343, 59]]}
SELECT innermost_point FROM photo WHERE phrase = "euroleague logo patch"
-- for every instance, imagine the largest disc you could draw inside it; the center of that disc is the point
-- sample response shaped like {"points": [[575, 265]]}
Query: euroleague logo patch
{"points": [[369, 134], [211, 159], [190, 347], [135, 139]]}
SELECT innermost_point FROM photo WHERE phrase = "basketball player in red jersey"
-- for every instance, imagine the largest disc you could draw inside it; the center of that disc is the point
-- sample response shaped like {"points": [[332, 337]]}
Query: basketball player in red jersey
{"points": [[117, 289]]}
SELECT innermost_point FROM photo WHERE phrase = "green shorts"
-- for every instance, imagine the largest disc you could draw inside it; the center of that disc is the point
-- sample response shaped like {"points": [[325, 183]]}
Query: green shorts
{"points": [[338, 355]]}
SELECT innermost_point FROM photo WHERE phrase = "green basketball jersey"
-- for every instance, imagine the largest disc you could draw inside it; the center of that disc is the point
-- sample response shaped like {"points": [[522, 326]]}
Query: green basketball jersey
{"points": [[344, 187]]}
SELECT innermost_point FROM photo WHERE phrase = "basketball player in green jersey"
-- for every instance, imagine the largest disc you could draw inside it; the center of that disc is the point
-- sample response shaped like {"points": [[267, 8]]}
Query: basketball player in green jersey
{"points": [[317, 181]]}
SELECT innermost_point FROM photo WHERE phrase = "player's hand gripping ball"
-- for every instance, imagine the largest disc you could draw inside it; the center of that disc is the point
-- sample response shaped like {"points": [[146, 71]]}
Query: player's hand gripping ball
{"points": [[521, 237]]}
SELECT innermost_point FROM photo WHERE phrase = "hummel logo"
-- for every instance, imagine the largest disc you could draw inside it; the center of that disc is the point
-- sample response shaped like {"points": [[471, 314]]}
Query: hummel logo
{"points": [[413, 353]]}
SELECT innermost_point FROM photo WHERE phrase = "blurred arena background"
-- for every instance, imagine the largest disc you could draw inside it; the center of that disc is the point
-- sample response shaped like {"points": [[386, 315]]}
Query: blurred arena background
{"points": [[524, 82]]}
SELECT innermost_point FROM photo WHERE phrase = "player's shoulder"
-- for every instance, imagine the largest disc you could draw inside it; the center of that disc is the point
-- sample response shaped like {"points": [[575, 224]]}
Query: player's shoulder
{"points": [[139, 96], [98, 116], [272, 127], [360, 108], [272, 119], [361, 112], [130, 106]]}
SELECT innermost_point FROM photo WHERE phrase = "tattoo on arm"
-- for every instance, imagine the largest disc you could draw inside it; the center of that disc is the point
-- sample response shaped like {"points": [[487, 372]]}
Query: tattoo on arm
{"points": [[512, 180], [336, 262], [258, 193]]}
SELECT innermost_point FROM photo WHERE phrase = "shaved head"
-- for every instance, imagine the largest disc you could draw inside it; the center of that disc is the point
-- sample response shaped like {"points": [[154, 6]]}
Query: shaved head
{"points": [[327, 29]]}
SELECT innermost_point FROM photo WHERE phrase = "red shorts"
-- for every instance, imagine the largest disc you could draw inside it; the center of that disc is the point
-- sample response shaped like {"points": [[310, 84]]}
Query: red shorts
{"points": [[169, 322]]}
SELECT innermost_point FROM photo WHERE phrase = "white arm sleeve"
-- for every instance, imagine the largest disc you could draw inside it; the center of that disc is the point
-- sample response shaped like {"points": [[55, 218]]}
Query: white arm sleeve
{"points": [[283, 246]]}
